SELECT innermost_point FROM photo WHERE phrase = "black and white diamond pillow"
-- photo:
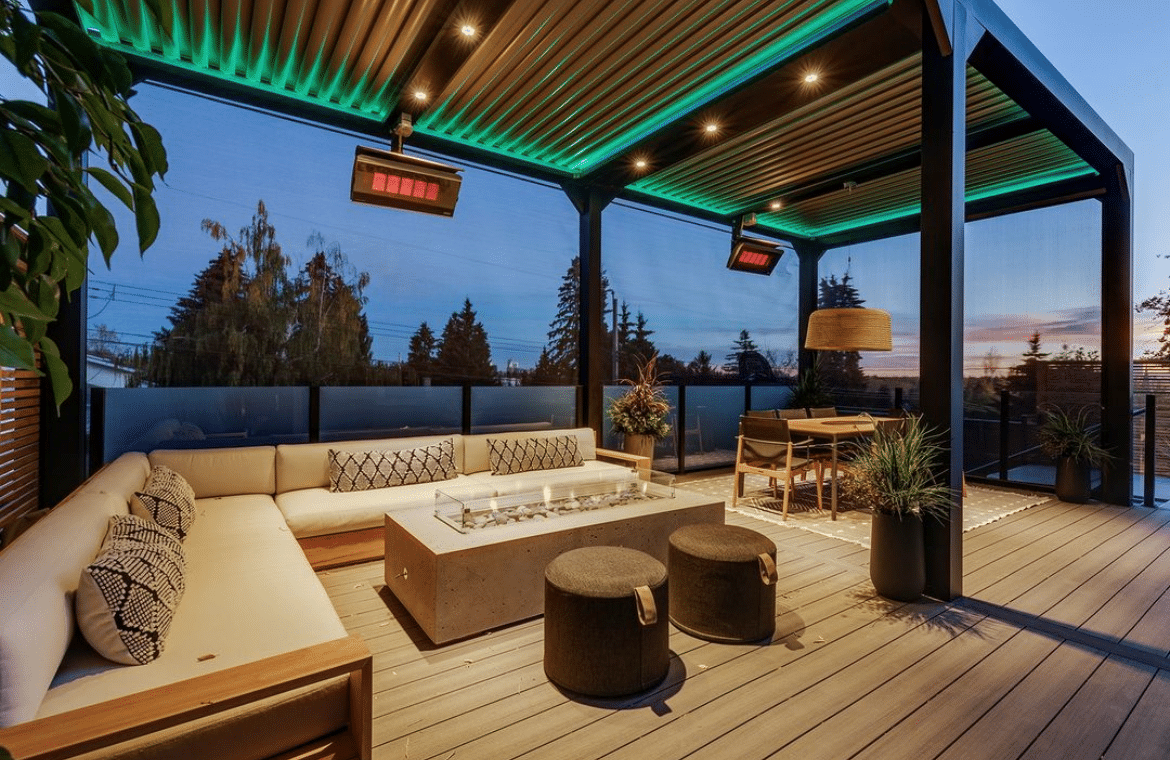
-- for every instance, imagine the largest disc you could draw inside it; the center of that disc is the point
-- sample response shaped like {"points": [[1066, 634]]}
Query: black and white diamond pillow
{"points": [[367, 470], [512, 455], [127, 596], [168, 499]]}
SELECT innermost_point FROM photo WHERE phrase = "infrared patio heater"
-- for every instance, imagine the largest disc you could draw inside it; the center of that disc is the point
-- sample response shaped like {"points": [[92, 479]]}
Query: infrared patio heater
{"points": [[393, 179], [750, 254]]}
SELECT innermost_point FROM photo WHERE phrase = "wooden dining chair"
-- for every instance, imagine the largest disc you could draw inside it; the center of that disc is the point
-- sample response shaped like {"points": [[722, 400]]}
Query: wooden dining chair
{"points": [[766, 448]]}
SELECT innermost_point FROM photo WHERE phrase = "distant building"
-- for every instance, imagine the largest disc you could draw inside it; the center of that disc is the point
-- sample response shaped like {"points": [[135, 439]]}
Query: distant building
{"points": [[103, 373]]}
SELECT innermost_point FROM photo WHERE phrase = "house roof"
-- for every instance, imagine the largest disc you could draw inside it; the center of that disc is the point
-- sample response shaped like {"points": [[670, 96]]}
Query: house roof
{"points": [[804, 112]]}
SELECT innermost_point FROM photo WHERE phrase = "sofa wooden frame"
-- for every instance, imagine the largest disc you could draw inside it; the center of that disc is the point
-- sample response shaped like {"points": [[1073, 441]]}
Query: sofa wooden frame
{"points": [[135, 715]]}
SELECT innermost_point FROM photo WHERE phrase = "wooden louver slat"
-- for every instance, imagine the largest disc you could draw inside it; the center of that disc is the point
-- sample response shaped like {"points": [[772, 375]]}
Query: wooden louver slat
{"points": [[19, 445]]}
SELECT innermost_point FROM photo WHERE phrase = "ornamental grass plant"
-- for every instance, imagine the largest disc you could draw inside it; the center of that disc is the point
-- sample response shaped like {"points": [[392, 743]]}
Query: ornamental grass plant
{"points": [[1067, 434], [642, 410], [893, 472]]}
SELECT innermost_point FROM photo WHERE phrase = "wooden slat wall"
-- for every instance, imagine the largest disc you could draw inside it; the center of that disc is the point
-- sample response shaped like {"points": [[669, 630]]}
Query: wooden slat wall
{"points": [[1151, 376], [20, 433]]}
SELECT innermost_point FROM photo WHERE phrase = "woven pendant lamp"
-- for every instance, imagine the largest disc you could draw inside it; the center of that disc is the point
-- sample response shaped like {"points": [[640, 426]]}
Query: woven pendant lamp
{"points": [[849, 330]]}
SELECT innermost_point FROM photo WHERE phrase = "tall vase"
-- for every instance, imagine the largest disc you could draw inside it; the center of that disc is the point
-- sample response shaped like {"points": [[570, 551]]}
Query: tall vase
{"points": [[897, 557], [1072, 480], [639, 445]]}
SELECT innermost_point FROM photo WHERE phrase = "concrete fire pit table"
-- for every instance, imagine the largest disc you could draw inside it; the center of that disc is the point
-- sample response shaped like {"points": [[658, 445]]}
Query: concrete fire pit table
{"points": [[456, 584]]}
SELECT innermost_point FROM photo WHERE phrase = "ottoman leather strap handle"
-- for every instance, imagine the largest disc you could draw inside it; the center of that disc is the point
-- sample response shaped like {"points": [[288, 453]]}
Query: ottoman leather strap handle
{"points": [[767, 569], [647, 610]]}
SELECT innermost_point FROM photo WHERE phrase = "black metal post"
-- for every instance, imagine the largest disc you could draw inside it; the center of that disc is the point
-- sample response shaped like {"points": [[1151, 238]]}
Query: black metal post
{"points": [[680, 430], [944, 152], [314, 413], [1117, 340], [1150, 461], [465, 424], [97, 429], [809, 278], [898, 398], [747, 397], [1005, 432]]}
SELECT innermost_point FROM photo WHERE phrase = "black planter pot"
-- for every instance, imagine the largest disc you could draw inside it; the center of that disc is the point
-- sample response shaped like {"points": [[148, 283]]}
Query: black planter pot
{"points": [[897, 564], [1072, 480]]}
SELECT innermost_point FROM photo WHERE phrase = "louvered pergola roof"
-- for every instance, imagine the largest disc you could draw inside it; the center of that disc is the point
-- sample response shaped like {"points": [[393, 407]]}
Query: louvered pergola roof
{"points": [[712, 96]]}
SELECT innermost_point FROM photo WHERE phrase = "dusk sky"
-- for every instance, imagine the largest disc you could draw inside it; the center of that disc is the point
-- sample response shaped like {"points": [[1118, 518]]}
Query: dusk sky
{"points": [[511, 241]]}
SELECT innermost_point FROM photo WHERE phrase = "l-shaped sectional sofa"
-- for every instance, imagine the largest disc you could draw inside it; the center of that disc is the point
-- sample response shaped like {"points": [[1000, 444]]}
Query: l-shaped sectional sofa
{"points": [[256, 662]]}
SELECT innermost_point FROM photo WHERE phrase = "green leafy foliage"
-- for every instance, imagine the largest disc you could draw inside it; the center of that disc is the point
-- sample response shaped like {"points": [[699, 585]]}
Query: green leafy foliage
{"points": [[44, 150], [1066, 434], [893, 472], [642, 409]]}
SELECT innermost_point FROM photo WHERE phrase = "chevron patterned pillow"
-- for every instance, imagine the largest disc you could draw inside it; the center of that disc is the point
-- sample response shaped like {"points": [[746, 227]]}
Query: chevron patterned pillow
{"points": [[366, 470], [127, 596], [512, 455], [168, 500]]}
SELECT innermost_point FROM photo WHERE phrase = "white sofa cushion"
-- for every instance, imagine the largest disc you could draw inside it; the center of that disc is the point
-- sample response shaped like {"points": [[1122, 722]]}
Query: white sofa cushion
{"points": [[222, 472], [127, 596], [39, 574], [475, 447], [366, 470], [250, 594], [306, 465]]}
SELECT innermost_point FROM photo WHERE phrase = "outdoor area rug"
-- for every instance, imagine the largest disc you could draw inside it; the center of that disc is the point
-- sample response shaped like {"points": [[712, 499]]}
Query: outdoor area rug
{"points": [[981, 506]]}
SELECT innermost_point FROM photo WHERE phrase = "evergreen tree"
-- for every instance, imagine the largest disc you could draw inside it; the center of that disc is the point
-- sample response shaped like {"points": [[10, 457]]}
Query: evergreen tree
{"points": [[464, 352], [741, 346], [839, 369], [420, 360], [700, 369], [1024, 377], [245, 323], [330, 341], [565, 328], [636, 346]]}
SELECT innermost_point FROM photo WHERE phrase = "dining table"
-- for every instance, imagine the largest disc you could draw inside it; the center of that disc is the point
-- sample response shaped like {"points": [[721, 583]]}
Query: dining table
{"points": [[834, 430]]}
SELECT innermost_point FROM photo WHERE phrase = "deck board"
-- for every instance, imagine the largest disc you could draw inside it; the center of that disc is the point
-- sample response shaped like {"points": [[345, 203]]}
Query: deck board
{"points": [[848, 674]]}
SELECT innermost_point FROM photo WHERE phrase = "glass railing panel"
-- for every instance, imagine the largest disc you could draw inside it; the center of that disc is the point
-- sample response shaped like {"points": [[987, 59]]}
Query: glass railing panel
{"points": [[143, 419], [534, 407], [351, 413], [771, 396], [711, 425]]}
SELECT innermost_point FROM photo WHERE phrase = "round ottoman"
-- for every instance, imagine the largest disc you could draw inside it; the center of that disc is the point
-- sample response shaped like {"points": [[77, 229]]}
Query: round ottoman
{"points": [[723, 580], [605, 623]]}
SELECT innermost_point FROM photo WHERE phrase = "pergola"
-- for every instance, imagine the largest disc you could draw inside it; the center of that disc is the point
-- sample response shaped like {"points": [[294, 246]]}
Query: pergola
{"points": [[832, 121]]}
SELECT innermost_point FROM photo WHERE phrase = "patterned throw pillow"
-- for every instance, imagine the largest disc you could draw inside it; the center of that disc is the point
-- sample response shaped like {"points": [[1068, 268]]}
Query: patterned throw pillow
{"points": [[366, 470], [168, 500], [127, 596], [512, 455]]}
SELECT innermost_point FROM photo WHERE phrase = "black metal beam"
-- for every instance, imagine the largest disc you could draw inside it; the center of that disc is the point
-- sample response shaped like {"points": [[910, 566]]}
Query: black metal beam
{"points": [[1117, 339], [944, 98], [63, 453]]}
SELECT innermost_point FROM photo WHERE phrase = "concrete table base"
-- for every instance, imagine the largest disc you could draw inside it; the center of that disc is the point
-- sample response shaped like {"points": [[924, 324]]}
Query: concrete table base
{"points": [[458, 584]]}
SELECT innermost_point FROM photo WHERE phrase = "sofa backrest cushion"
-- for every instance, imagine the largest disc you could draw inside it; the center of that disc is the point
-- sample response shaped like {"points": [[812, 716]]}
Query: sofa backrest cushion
{"points": [[475, 447], [39, 573], [306, 465], [222, 472]]}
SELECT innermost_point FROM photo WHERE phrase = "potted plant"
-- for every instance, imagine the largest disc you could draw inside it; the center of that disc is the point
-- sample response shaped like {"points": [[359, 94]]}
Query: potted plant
{"points": [[893, 472], [640, 413], [1066, 437], [809, 392]]}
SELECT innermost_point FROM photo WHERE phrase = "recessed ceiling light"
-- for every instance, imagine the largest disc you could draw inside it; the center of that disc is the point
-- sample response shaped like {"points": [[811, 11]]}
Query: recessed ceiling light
{"points": [[467, 30], [711, 127], [420, 95], [775, 205], [640, 163], [811, 77]]}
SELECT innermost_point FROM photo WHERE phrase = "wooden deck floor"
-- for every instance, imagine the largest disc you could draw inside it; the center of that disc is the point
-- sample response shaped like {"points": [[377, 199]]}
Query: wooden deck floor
{"points": [[1059, 650]]}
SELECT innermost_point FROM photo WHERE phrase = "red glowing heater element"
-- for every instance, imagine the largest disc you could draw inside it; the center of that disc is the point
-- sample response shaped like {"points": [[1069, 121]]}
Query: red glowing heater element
{"points": [[754, 256], [395, 180]]}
